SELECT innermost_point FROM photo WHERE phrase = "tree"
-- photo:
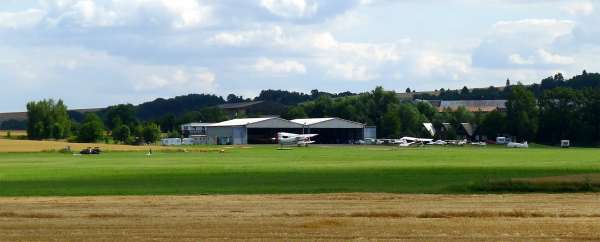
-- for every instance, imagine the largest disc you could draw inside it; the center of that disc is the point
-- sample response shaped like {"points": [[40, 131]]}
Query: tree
{"points": [[408, 90], [427, 110], [391, 123], [493, 124], [151, 133], [294, 113], [522, 113], [462, 115], [410, 118], [560, 115], [125, 114], [91, 130], [121, 133], [47, 119], [232, 98], [213, 115], [591, 114]]}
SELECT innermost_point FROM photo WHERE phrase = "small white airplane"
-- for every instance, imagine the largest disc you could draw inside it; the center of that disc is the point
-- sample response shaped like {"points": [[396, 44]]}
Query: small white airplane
{"points": [[437, 142], [517, 145], [294, 139], [408, 141]]}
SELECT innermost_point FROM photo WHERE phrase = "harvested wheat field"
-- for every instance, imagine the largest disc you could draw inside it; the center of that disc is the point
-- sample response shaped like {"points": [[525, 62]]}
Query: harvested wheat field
{"points": [[302, 217]]}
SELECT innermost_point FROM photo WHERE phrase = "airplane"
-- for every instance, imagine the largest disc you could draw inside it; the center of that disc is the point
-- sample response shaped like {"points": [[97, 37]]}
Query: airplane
{"points": [[294, 139], [517, 145], [408, 141]]}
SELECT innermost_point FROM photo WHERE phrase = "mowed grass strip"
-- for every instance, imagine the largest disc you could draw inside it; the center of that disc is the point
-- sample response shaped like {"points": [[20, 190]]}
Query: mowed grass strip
{"points": [[24, 146], [265, 170]]}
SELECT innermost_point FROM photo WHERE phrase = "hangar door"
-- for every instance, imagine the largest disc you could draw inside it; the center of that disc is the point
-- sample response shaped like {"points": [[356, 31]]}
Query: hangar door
{"points": [[239, 136]]}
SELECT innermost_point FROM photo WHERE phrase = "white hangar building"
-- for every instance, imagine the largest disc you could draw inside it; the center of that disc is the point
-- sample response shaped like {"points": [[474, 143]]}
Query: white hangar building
{"points": [[262, 130], [336, 130]]}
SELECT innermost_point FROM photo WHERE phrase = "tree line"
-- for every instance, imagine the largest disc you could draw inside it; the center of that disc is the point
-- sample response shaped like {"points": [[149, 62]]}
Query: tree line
{"points": [[547, 112], [49, 119], [579, 82]]}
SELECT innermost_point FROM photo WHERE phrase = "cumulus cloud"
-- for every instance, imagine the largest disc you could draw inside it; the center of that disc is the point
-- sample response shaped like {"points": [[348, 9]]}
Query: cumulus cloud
{"points": [[260, 36], [180, 14], [523, 43], [290, 8], [113, 51], [579, 8], [21, 19], [282, 67], [176, 78]]}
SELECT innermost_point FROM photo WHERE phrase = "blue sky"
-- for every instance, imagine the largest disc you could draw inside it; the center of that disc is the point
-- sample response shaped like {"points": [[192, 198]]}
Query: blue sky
{"points": [[98, 53]]}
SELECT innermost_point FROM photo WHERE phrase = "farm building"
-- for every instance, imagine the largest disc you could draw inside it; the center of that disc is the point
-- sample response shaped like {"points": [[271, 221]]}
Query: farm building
{"points": [[470, 105], [262, 130]]}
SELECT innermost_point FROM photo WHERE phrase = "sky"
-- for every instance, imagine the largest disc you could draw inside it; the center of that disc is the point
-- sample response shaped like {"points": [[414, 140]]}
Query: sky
{"points": [[98, 53]]}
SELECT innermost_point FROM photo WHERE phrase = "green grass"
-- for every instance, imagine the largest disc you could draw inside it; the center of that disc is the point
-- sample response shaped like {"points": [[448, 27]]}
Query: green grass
{"points": [[262, 169]]}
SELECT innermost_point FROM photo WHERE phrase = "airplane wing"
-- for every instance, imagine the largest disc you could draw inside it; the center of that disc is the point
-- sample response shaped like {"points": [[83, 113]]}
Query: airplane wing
{"points": [[306, 136]]}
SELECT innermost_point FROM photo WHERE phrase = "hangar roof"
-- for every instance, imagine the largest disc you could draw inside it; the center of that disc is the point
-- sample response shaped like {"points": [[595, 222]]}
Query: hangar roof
{"points": [[239, 122], [329, 123], [272, 122], [310, 121]]}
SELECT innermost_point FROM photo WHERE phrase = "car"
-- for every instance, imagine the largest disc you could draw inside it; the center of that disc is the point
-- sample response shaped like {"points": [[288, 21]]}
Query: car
{"points": [[90, 151]]}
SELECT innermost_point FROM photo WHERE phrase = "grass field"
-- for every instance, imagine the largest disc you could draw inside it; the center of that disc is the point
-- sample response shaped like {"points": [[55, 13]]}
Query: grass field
{"points": [[265, 170]]}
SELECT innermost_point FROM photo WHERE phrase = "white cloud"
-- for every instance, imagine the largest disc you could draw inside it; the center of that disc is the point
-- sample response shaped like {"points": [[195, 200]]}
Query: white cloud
{"points": [[539, 30], [179, 14], [374, 52], [153, 78], [527, 43], [188, 13], [438, 65], [282, 67], [519, 60], [290, 8], [352, 72], [583, 8], [23, 19], [256, 37], [554, 59]]}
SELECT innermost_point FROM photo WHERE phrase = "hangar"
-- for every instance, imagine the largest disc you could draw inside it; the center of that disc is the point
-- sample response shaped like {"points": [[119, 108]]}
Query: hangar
{"points": [[249, 130], [262, 130], [336, 130]]}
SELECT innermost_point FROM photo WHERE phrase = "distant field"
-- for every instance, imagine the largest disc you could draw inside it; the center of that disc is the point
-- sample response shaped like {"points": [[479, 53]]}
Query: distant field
{"points": [[10, 145], [13, 133], [265, 170]]}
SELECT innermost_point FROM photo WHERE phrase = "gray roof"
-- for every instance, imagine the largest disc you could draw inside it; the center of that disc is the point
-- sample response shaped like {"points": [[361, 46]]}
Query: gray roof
{"points": [[328, 123], [238, 105]]}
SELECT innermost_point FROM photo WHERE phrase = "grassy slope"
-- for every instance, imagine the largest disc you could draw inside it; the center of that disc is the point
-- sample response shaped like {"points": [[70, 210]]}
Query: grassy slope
{"points": [[266, 170]]}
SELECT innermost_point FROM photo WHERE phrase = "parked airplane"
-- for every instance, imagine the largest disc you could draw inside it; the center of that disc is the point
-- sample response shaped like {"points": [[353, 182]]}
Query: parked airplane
{"points": [[517, 145], [294, 139], [408, 141]]}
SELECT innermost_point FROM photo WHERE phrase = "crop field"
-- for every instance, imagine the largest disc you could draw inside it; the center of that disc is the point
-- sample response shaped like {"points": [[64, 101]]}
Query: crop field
{"points": [[317, 169], [311, 217]]}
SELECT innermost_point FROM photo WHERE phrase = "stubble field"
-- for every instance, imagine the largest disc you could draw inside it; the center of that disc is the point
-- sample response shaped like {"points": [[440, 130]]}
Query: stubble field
{"points": [[323, 217]]}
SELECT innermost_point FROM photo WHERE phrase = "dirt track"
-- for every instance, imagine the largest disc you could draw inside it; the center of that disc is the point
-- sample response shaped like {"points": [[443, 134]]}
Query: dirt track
{"points": [[302, 217]]}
